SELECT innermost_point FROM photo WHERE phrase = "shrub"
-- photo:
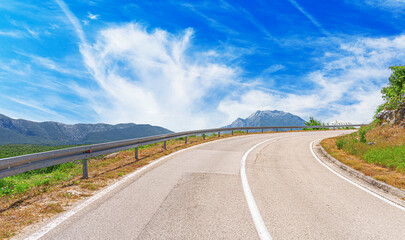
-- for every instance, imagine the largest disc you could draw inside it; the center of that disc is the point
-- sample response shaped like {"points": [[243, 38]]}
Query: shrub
{"points": [[394, 93], [340, 143], [362, 135]]}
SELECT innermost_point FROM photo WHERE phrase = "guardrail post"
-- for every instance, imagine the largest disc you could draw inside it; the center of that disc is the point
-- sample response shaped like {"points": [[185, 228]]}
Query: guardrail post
{"points": [[219, 134], [203, 136], [232, 132], [185, 140], [136, 153], [85, 170], [164, 145]]}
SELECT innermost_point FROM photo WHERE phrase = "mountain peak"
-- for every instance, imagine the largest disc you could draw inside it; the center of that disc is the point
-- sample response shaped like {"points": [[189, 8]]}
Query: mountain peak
{"points": [[264, 118]]}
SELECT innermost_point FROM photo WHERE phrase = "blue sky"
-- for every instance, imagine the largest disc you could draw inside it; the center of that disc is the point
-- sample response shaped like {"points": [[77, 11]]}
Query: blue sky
{"points": [[196, 64]]}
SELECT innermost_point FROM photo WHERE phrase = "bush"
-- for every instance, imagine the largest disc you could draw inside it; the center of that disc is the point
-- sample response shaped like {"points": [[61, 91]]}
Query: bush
{"points": [[340, 143], [313, 122], [362, 135], [394, 93]]}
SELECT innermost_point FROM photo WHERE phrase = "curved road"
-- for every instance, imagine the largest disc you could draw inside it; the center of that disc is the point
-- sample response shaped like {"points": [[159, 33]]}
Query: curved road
{"points": [[198, 194]]}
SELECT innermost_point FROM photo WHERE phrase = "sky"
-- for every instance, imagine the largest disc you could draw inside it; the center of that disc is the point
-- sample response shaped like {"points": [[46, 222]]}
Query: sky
{"points": [[188, 65]]}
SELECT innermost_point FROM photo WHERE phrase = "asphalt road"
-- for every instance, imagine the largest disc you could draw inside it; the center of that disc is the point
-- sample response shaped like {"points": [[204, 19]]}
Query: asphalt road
{"points": [[198, 194]]}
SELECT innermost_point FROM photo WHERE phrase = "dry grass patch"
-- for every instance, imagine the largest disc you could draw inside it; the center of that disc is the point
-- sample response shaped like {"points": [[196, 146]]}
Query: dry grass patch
{"points": [[388, 137]]}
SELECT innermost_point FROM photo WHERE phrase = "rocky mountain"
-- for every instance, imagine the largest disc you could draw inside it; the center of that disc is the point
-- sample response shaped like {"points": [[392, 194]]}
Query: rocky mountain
{"points": [[19, 131], [268, 118]]}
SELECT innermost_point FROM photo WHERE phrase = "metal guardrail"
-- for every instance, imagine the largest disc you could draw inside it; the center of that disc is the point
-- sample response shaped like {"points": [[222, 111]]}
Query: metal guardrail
{"points": [[15, 165]]}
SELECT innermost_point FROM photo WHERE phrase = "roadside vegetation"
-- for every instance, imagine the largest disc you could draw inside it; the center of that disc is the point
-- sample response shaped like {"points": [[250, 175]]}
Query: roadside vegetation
{"points": [[394, 93], [12, 150], [47, 176], [314, 122], [377, 150]]}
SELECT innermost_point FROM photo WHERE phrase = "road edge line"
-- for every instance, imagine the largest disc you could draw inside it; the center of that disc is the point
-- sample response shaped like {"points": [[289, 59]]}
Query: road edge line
{"points": [[254, 210], [350, 181]]}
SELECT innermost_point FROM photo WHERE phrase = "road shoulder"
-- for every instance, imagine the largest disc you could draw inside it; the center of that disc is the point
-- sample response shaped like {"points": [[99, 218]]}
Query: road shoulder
{"points": [[382, 189]]}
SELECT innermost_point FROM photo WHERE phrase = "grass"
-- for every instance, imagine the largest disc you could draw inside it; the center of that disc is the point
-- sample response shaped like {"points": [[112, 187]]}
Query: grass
{"points": [[12, 150], [21, 183], [376, 151], [391, 157], [49, 176]]}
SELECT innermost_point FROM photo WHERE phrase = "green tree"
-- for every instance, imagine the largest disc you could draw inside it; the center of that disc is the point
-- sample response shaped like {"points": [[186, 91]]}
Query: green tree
{"points": [[313, 122], [394, 93]]}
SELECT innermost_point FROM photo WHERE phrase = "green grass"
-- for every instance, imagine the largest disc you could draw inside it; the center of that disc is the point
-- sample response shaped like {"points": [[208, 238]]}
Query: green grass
{"points": [[383, 155], [49, 176], [239, 131], [392, 157], [12, 150], [22, 182]]}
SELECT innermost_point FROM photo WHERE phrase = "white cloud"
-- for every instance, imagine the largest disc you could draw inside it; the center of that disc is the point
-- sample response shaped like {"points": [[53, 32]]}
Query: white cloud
{"points": [[151, 77], [92, 16], [346, 89], [390, 5], [73, 20], [274, 68], [15, 34], [159, 78], [309, 16], [32, 33]]}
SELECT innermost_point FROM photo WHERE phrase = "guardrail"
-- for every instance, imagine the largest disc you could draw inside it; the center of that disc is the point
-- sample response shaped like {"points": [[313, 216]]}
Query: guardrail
{"points": [[15, 165]]}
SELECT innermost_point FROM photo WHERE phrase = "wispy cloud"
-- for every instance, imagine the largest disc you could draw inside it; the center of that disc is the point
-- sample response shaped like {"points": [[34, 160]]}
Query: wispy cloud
{"points": [[35, 105], [50, 64], [388, 4], [274, 68], [347, 88], [256, 23], [32, 33], [92, 16], [15, 34], [157, 77], [211, 21], [151, 77], [73, 19], [310, 17]]}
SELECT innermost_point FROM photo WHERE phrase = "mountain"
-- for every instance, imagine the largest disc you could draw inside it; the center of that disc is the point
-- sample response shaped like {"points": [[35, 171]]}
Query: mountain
{"points": [[268, 118], [20, 131]]}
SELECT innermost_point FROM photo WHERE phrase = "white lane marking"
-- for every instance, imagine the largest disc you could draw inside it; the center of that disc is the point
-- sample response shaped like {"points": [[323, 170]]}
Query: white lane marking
{"points": [[44, 230], [254, 211], [355, 184]]}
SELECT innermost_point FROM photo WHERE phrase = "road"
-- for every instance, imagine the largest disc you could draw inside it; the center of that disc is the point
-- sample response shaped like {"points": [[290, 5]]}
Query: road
{"points": [[198, 194]]}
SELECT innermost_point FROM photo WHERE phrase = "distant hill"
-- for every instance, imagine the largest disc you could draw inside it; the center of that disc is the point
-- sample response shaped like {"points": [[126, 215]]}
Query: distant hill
{"points": [[20, 131], [268, 118]]}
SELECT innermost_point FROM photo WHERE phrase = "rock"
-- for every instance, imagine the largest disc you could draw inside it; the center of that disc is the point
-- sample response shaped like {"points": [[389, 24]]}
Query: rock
{"points": [[112, 155], [393, 117], [371, 143], [385, 115], [400, 114]]}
